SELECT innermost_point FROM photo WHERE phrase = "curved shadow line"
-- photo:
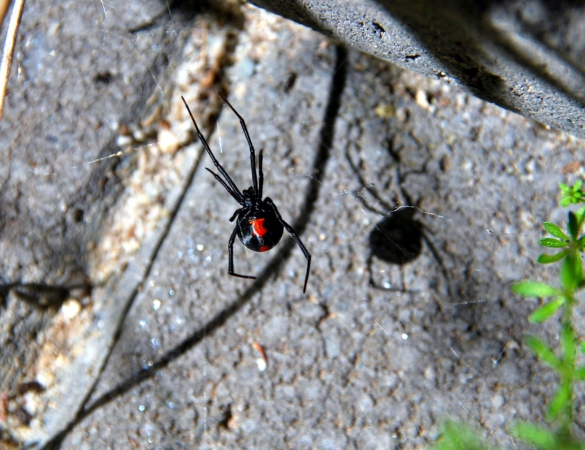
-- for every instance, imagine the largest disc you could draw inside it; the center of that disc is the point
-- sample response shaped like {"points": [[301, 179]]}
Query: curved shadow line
{"points": [[323, 152]]}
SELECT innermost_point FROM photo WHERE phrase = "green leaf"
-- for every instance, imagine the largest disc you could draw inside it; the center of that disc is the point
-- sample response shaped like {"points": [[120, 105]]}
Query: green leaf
{"points": [[535, 289], [571, 273], [534, 435], [547, 259], [560, 401], [568, 341], [546, 310], [572, 194], [552, 243], [580, 373], [459, 436], [580, 216], [554, 230], [543, 352], [573, 226], [565, 188]]}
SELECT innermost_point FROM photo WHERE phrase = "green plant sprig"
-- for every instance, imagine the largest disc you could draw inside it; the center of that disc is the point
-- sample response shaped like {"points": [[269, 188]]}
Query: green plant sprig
{"points": [[572, 194], [560, 412]]}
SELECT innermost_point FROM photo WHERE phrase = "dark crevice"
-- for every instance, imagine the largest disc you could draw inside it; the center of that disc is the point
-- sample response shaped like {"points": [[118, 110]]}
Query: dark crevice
{"points": [[43, 296]]}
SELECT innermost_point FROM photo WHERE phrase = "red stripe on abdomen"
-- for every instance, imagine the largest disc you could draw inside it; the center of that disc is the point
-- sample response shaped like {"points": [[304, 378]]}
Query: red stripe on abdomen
{"points": [[258, 229]]}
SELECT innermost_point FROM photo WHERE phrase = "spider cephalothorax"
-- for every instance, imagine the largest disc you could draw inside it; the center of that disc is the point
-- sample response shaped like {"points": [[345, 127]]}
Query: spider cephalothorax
{"points": [[259, 225]]}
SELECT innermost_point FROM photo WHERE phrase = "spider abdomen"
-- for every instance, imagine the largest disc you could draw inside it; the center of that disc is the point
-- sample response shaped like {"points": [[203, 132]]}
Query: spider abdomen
{"points": [[259, 224], [259, 230]]}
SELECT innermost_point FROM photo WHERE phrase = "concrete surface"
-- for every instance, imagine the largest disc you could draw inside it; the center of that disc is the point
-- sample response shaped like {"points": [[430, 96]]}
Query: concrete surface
{"points": [[526, 56], [419, 203]]}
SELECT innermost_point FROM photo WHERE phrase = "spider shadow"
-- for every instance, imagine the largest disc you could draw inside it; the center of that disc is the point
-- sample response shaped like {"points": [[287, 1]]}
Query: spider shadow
{"points": [[398, 238]]}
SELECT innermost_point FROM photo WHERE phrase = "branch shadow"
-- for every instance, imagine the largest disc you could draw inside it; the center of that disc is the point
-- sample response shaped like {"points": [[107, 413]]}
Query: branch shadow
{"points": [[273, 267]]}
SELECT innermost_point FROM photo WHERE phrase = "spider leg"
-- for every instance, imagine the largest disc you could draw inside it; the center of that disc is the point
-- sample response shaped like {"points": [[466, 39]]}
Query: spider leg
{"points": [[232, 185], [261, 175], [252, 152], [294, 236], [235, 214], [223, 183], [231, 260]]}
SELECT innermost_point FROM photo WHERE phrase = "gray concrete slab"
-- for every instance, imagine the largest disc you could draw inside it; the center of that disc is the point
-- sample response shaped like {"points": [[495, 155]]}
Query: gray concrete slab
{"points": [[526, 56]]}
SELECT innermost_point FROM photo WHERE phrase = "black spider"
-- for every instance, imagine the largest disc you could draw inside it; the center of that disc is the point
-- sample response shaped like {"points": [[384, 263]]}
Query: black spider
{"points": [[259, 225]]}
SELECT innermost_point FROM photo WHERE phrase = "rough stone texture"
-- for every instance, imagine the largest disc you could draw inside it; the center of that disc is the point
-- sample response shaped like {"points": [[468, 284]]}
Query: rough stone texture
{"points": [[420, 204], [526, 56]]}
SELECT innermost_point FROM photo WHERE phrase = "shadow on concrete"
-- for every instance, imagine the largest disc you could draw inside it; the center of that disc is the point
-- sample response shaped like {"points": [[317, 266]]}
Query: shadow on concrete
{"points": [[312, 192]]}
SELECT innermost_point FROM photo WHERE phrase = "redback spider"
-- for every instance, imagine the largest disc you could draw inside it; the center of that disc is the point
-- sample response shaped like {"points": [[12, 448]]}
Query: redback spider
{"points": [[259, 225]]}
